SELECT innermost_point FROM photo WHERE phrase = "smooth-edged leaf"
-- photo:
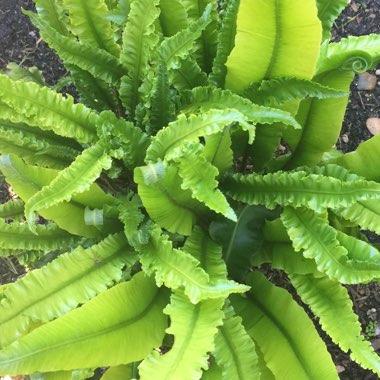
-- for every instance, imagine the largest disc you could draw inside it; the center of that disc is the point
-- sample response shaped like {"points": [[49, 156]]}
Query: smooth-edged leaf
{"points": [[41, 107], [274, 321], [241, 239], [362, 161], [27, 74], [319, 241], [159, 188], [52, 291], [36, 146], [188, 129], [173, 17], [276, 92], [52, 12], [330, 302], [234, 349], [99, 63], [226, 42], [328, 11], [198, 176], [218, 150], [75, 179], [206, 98], [87, 21], [194, 328], [17, 236], [139, 39], [178, 269], [120, 372], [275, 35], [131, 325], [27, 180], [298, 189]]}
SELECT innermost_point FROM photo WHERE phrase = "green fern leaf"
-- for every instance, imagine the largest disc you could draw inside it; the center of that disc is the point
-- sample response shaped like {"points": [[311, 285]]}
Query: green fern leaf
{"points": [[52, 12], [213, 373], [298, 189], [166, 203], [120, 372], [328, 11], [18, 236], [78, 339], [218, 150], [194, 328], [28, 180], [139, 39], [12, 209], [99, 63], [188, 129], [319, 241], [77, 178], [234, 349], [28, 74], [199, 177], [226, 42], [293, 355], [173, 17], [48, 110], [177, 269], [187, 75], [72, 279], [87, 22], [206, 98], [328, 299], [276, 92]]}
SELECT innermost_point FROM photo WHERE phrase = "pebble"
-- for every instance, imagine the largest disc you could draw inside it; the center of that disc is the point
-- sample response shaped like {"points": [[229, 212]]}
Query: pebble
{"points": [[367, 81], [373, 125], [377, 72], [340, 368]]}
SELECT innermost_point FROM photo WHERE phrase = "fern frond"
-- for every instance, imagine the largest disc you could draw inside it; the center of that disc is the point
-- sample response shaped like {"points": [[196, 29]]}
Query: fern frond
{"points": [[180, 45], [99, 63], [27, 180], [218, 150], [77, 178], [17, 236], [173, 17], [179, 269], [234, 349], [125, 308], [327, 300], [36, 145], [87, 22], [71, 279], [43, 108], [206, 98], [298, 189], [52, 12], [226, 42], [187, 75], [166, 203], [319, 241], [139, 39], [276, 333], [12, 209], [276, 92], [328, 11], [188, 129], [28, 74], [199, 177], [194, 328]]}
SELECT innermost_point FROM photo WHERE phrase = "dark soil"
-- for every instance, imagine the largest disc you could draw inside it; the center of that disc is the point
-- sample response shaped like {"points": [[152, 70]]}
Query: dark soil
{"points": [[20, 43]]}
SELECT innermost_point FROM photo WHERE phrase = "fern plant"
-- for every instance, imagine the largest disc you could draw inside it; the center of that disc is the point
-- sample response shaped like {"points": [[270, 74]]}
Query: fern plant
{"points": [[163, 193]]}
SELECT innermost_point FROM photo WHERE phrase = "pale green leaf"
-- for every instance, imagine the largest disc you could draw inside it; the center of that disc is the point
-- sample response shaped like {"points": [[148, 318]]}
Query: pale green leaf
{"points": [[328, 11]]}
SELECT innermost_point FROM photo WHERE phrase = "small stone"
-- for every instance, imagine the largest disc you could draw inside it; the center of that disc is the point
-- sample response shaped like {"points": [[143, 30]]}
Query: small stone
{"points": [[354, 7], [340, 368], [367, 81], [377, 72], [373, 125], [345, 138]]}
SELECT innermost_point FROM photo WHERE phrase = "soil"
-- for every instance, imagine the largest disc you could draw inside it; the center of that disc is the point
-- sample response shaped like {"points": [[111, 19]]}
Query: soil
{"points": [[20, 43]]}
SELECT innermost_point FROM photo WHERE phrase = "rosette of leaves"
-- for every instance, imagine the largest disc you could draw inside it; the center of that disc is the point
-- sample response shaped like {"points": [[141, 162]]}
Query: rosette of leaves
{"points": [[163, 193]]}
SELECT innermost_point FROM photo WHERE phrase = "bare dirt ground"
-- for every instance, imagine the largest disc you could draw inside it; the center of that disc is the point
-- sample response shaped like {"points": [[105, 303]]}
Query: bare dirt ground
{"points": [[20, 43]]}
